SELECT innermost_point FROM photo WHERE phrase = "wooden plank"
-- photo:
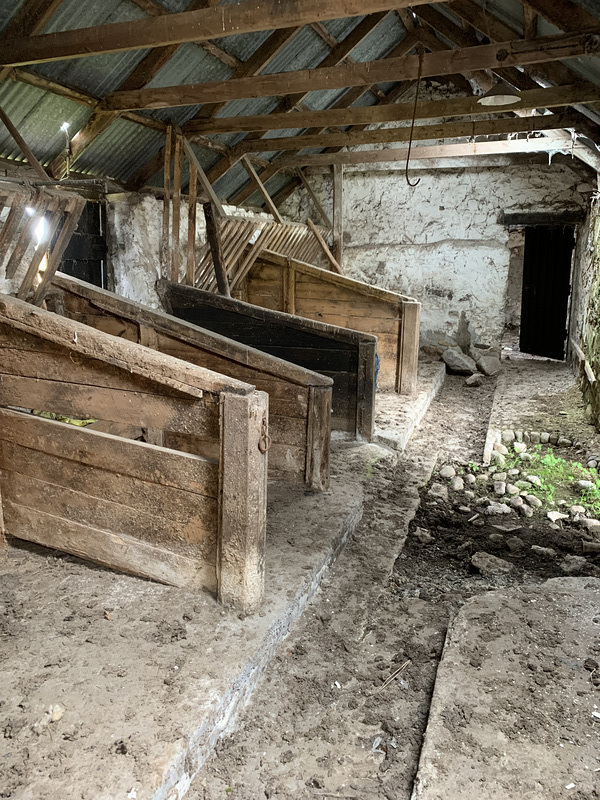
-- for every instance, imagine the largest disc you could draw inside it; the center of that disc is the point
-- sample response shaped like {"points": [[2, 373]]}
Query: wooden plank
{"points": [[408, 351], [73, 213], [265, 195], [204, 182], [40, 204], [553, 97], [12, 222], [289, 291], [214, 240], [243, 495], [31, 18], [24, 147], [445, 62], [323, 245], [117, 551], [178, 163], [165, 244], [56, 209], [191, 231], [190, 26], [365, 390], [319, 433]]}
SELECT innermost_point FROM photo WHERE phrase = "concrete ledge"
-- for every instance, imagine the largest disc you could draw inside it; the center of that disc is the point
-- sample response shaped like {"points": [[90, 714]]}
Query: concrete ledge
{"points": [[397, 416]]}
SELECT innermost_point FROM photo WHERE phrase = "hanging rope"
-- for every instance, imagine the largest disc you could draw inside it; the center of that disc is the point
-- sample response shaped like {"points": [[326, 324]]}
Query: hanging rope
{"points": [[414, 116]]}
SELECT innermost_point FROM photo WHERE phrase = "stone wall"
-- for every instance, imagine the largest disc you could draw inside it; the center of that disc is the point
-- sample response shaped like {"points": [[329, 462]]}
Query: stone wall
{"points": [[442, 241]]}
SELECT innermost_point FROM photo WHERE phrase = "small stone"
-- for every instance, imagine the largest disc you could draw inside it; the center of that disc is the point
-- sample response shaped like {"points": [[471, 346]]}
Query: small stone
{"points": [[482, 478], [469, 494], [564, 442], [547, 552], [584, 485], [573, 565], [534, 437], [438, 490], [457, 484], [524, 485], [464, 509], [500, 448], [554, 527], [534, 480], [499, 476], [520, 447], [514, 471], [490, 565], [476, 379], [458, 362], [519, 436], [422, 535], [554, 516], [497, 508], [553, 438], [500, 488], [508, 436], [576, 510], [526, 437], [512, 489], [489, 365], [544, 437], [469, 479], [592, 463], [525, 456], [515, 544], [447, 472], [499, 459], [497, 538], [533, 501], [525, 510], [507, 527], [516, 502], [590, 524]]}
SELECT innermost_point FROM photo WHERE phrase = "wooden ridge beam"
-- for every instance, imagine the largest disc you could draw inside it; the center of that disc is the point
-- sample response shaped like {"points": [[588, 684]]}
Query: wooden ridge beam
{"points": [[445, 62], [369, 115], [448, 130], [543, 144], [188, 26]]}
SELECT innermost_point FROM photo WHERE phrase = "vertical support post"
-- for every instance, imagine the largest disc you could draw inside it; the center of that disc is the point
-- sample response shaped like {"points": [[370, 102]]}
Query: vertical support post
{"points": [[214, 240], [365, 393], [289, 289], [191, 233], [243, 500], [338, 215], [165, 245], [408, 347], [175, 254], [316, 473]]}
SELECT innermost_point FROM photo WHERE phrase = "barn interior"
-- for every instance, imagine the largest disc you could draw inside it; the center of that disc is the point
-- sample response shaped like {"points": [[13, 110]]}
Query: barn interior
{"points": [[299, 399]]}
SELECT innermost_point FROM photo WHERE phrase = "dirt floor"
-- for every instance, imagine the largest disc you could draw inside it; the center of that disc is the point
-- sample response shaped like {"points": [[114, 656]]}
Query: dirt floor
{"points": [[343, 708]]}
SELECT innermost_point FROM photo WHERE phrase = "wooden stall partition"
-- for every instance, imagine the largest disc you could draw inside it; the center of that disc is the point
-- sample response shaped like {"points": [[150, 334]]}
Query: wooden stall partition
{"points": [[143, 509], [286, 284], [299, 399], [345, 356]]}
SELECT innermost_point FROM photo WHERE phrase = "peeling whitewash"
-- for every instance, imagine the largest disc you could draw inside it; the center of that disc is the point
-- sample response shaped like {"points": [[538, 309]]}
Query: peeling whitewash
{"points": [[442, 241]]}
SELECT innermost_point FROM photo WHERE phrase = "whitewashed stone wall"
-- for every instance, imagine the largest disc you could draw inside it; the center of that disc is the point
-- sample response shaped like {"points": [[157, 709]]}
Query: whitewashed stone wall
{"points": [[442, 241]]}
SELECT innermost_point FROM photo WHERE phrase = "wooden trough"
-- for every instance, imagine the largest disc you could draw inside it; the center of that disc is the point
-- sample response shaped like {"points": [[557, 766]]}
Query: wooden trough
{"points": [[285, 284], [348, 357], [299, 399], [179, 518]]}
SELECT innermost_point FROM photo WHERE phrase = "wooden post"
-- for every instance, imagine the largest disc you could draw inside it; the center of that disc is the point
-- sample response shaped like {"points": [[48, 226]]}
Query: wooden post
{"points": [[289, 289], [191, 237], [243, 500], [365, 393], [408, 347], [214, 240], [165, 246], [319, 436], [338, 216], [175, 255]]}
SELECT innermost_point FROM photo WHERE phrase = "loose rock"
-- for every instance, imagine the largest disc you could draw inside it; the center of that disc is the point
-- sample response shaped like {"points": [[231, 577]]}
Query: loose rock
{"points": [[423, 535], [489, 365], [499, 476], [573, 565], [438, 490], [525, 510], [544, 437], [520, 447], [554, 516], [515, 544], [447, 472], [533, 500], [457, 484], [458, 362], [508, 436], [547, 552], [584, 485], [512, 489], [469, 479], [533, 479], [490, 565], [475, 380], [500, 488], [500, 448], [497, 508]]}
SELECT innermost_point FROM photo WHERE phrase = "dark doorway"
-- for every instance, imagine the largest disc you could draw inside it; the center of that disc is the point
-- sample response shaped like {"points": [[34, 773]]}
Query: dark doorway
{"points": [[85, 256], [546, 289]]}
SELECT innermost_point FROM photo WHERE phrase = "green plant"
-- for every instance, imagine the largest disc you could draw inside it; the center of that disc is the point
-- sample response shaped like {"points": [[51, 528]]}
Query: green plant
{"points": [[473, 466]]}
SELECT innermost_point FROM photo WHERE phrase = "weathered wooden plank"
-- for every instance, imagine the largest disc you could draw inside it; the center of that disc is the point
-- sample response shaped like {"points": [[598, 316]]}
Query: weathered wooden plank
{"points": [[165, 242], [319, 434], [365, 392], [191, 231], [138, 460], [178, 163], [214, 240], [338, 214], [116, 551], [243, 494], [409, 347]]}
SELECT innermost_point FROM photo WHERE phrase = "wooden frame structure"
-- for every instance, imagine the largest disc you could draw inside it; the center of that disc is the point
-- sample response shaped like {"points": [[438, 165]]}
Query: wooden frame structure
{"points": [[284, 284], [346, 356], [183, 519], [299, 399], [30, 249]]}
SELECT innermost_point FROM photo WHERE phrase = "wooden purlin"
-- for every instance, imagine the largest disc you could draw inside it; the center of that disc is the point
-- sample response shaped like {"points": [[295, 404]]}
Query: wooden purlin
{"points": [[244, 239]]}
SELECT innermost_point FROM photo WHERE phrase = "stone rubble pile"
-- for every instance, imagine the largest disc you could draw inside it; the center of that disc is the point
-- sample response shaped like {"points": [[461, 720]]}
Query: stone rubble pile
{"points": [[477, 364]]}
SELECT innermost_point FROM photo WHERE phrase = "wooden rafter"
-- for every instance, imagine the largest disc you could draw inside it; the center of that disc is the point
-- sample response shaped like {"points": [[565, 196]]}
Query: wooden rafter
{"points": [[188, 26], [24, 147], [30, 19], [445, 62]]}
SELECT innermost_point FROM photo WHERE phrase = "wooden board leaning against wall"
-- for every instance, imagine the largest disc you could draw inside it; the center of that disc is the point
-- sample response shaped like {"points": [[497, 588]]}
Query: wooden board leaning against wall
{"points": [[285, 284], [194, 520], [299, 399]]}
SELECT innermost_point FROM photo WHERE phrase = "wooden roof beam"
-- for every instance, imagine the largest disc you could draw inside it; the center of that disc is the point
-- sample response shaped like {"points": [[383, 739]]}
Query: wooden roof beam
{"points": [[188, 26], [30, 19], [445, 62]]}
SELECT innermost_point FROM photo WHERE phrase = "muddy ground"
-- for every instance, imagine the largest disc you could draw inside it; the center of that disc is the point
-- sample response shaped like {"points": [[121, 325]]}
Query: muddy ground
{"points": [[343, 708]]}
